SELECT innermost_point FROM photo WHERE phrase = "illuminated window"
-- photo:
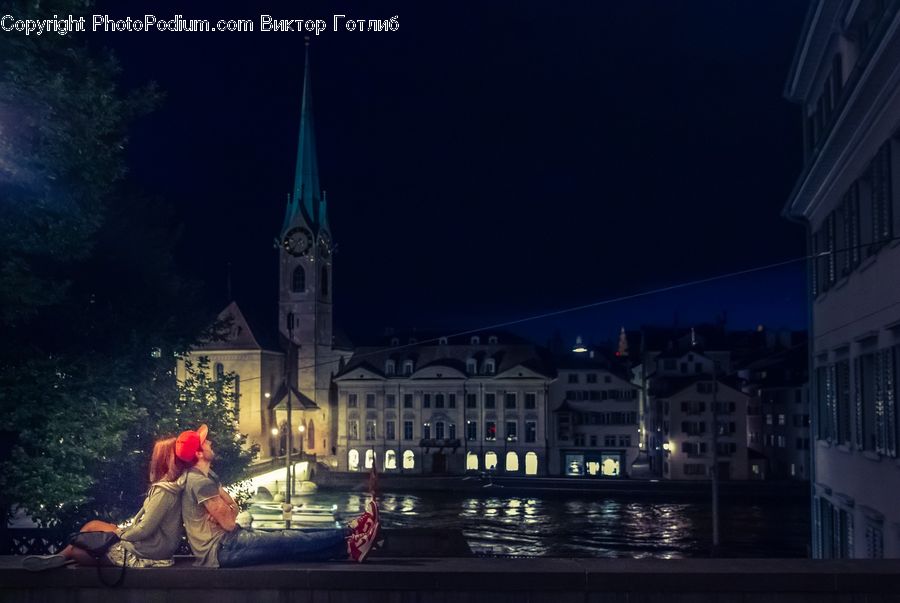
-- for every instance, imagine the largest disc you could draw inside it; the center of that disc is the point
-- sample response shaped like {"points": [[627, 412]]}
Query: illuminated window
{"points": [[512, 461], [471, 461], [370, 458], [531, 463], [353, 460], [409, 460], [390, 459], [490, 430], [490, 460]]}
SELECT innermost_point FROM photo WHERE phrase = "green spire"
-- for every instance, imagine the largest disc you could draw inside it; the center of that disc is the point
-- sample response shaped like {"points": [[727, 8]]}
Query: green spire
{"points": [[306, 196]]}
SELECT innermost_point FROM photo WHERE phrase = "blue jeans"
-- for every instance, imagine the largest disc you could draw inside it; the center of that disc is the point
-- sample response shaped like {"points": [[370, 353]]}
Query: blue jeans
{"points": [[250, 547]]}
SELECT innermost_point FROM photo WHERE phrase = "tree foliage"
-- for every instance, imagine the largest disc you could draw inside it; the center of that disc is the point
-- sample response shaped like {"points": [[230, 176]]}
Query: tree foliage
{"points": [[92, 309]]}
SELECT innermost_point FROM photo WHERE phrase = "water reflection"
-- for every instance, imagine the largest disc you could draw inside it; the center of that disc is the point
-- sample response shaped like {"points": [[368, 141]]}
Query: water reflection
{"points": [[593, 527]]}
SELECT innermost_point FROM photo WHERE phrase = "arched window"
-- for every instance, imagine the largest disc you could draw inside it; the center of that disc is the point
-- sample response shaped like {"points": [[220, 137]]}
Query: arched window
{"points": [[298, 280], [353, 460], [220, 371], [324, 281], [409, 459], [475, 340], [531, 463], [370, 458], [472, 461], [389, 367], [512, 461], [390, 460], [490, 460], [310, 436]]}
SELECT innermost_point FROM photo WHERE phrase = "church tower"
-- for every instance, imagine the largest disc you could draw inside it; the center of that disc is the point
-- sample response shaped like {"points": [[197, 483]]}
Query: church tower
{"points": [[305, 293]]}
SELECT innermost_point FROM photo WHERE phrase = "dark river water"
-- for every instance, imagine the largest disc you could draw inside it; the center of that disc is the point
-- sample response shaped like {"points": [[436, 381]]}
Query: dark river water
{"points": [[595, 525]]}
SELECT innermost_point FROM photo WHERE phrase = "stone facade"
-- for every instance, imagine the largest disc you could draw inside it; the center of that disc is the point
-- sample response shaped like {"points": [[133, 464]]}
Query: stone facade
{"points": [[595, 423], [444, 407], [845, 79]]}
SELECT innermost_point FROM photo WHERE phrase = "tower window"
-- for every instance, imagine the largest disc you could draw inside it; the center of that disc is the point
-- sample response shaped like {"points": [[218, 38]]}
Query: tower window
{"points": [[492, 339], [298, 280], [475, 340], [324, 281]]}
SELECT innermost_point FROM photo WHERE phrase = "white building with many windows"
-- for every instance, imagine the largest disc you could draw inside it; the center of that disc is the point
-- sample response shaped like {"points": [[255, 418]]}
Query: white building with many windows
{"points": [[442, 406], [595, 421], [846, 78]]}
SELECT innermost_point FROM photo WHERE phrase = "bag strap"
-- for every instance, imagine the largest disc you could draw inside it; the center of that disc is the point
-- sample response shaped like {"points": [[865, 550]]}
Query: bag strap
{"points": [[121, 577]]}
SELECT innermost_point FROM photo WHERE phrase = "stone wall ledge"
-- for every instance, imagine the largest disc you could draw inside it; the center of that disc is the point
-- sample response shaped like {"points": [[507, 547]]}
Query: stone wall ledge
{"points": [[424, 579]]}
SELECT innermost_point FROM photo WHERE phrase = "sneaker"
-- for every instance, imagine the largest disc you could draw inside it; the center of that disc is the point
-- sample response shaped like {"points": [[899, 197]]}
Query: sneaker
{"points": [[39, 563], [372, 509], [360, 545]]}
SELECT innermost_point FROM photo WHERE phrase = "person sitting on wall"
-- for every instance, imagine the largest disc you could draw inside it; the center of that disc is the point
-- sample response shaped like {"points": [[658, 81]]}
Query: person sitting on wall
{"points": [[210, 514], [155, 532]]}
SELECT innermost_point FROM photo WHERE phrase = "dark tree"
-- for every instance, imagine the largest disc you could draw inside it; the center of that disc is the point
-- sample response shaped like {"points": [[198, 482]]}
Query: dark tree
{"points": [[92, 310]]}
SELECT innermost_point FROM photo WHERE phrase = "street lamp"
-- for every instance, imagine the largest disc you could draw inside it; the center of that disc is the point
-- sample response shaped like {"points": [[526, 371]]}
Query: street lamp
{"points": [[301, 428], [579, 346]]}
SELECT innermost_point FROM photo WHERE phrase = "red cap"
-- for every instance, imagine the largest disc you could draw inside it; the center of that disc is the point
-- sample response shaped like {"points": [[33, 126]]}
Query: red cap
{"points": [[189, 444]]}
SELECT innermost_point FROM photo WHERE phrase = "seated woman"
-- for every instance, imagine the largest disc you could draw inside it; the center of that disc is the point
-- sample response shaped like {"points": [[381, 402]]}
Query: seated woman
{"points": [[155, 532]]}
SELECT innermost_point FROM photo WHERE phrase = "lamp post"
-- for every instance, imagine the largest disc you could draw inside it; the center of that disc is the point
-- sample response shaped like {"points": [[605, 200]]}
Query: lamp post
{"points": [[301, 428]]}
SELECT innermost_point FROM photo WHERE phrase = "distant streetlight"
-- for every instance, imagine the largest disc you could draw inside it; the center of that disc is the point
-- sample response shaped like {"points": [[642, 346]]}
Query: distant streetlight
{"points": [[274, 431], [579, 346]]}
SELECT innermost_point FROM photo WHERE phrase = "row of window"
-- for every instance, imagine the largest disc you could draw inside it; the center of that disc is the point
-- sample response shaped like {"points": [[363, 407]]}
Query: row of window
{"points": [[696, 428], [859, 227], [609, 441], [472, 461], [441, 430], [601, 394], [440, 400], [589, 378], [474, 340], [693, 407], [780, 420], [488, 367], [857, 401]]}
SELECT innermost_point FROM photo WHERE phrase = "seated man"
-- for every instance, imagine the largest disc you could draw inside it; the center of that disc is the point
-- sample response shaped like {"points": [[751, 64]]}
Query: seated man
{"points": [[209, 515]]}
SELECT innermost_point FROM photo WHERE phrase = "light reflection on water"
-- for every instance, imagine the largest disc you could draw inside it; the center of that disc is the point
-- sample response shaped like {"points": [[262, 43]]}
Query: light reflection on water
{"points": [[594, 526]]}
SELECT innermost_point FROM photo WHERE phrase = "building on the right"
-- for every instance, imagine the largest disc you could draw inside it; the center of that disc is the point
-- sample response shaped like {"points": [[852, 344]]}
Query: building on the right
{"points": [[846, 76]]}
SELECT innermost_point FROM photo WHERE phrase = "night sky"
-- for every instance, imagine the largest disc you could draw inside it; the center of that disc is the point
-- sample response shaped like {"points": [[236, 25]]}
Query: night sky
{"points": [[487, 162]]}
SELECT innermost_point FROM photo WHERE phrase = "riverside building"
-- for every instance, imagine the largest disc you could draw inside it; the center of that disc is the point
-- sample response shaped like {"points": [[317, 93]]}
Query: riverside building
{"points": [[846, 79]]}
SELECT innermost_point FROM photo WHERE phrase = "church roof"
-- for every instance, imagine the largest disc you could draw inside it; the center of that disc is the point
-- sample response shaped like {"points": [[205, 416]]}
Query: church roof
{"points": [[299, 400], [306, 197], [242, 334]]}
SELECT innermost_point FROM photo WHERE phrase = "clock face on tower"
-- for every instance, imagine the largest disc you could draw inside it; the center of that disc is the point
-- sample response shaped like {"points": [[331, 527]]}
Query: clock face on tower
{"points": [[297, 241]]}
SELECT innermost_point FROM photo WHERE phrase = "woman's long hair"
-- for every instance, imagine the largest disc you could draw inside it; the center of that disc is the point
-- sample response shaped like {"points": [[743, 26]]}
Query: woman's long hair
{"points": [[164, 466]]}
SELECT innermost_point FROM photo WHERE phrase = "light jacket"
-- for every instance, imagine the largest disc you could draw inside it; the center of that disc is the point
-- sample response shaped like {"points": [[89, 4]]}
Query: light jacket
{"points": [[157, 529]]}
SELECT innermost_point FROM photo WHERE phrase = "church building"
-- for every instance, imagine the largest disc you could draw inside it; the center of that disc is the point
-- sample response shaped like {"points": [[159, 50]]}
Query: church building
{"points": [[296, 366]]}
